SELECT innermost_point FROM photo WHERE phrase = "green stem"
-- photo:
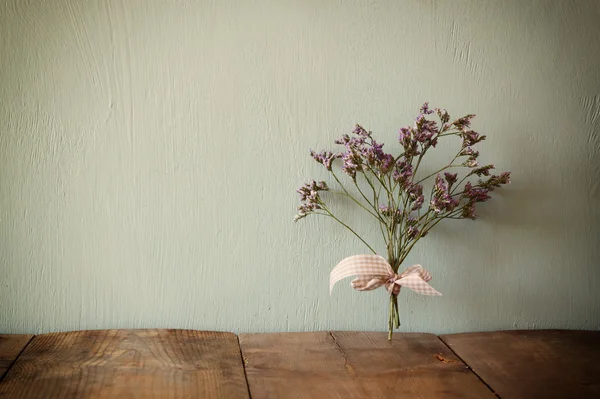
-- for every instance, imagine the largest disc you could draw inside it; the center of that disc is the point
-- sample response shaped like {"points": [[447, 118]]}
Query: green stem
{"points": [[439, 170], [397, 313], [376, 205], [457, 185], [382, 182], [444, 168], [442, 133], [421, 155], [365, 197], [427, 227], [391, 318], [394, 316], [373, 205], [348, 227], [347, 194]]}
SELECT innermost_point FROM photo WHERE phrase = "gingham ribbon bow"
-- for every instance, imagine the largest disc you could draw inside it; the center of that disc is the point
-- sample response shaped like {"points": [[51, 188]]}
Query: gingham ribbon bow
{"points": [[373, 271]]}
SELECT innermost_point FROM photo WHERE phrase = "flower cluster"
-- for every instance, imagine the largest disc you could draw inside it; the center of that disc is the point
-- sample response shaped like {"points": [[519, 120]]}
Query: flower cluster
{"points": [[309, 196], [325, 158], [412, 229], [363, 154], [480, 192], [389, 212], [472, 155], [442, 200], [414, 195], [403, 172], [397, 175], [423, 134]]}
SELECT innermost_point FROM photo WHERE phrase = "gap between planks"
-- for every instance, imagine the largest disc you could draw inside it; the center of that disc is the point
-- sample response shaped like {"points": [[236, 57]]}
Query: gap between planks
{"points": [[468, 366], [15, 359], [243, 359]]}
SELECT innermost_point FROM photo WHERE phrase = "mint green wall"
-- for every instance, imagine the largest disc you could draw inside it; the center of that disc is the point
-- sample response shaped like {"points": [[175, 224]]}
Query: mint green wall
{"points": [[150, 151]]}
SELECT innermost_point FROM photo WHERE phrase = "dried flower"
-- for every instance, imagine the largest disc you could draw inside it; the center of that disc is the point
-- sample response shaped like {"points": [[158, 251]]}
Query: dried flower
{"points": [[325, 158], [471, 163], [469, 151], [444, 117], [424, 129], [477, 193], [352, 163], [360, 131], [442, 200], [470, 138], [450, 178], [309, 196], [468, 211], [425, 109], [409, 142], [403, 172], [496, 181], [483, 171], [389, 211], [464, 122], [394, 190], [415, 195]]}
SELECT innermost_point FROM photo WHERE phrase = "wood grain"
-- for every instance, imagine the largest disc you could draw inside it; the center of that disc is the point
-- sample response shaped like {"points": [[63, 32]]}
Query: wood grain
{"points": [[355, 365], [10, 347], [533, 364], [128, 364]]}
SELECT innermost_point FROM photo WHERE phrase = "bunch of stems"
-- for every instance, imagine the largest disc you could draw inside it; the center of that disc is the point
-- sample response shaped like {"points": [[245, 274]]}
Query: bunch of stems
{"points": [[381, 189]]}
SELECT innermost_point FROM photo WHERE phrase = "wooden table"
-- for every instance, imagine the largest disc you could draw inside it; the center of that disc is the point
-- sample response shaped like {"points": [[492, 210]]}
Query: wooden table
{"points": [[201, 364], [533, 364]]}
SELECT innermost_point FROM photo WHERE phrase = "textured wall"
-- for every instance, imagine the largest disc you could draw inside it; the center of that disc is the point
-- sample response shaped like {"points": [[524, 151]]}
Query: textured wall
{"points": [[150, 151]]}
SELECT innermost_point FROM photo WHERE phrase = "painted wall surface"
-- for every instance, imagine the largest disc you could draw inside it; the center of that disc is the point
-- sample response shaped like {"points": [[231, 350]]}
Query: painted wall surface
{"points": [[150, 151]]}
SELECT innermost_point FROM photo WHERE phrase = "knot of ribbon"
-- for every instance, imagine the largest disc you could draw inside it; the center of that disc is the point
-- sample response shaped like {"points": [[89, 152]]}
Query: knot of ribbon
{"points": [[373, 271]]}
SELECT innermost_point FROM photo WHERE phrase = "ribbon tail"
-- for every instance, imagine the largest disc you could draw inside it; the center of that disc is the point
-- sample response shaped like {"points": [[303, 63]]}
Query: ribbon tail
{"points": [[417, 284], [367, 283], [364, 266]]}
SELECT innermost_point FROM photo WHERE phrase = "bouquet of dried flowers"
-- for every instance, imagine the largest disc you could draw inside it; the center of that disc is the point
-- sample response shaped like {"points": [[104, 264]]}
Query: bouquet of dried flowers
{"points": [[391, 189]]}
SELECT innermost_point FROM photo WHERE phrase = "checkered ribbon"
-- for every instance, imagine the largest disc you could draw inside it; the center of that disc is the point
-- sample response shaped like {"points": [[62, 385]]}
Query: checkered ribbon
{"points": [[373, 271]]}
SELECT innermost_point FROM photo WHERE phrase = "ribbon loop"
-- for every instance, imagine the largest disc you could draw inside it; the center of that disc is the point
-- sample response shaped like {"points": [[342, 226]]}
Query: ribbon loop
{"points": [[373, 271]]}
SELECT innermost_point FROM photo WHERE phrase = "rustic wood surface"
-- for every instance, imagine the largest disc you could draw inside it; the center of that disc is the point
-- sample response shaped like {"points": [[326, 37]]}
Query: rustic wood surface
{"points": [[533, 364], [10, 347], [355, 365], [128, 364], [190, 364]]}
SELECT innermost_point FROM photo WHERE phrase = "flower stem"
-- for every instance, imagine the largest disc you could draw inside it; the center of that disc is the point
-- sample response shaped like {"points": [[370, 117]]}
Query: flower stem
{"points": [[391, 318], [347, 194], [450, 165], [394, 317], [348, 227], [375, 205]]}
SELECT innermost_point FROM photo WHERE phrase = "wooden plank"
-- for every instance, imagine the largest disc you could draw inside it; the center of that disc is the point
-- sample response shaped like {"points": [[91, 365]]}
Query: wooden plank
{"points": [[355, 365], [10, 347], [533, 364], [128, 364]]}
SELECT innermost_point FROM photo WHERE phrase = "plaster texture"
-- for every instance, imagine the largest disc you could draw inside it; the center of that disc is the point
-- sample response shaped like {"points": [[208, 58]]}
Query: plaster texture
{"points": [[150, 152]]}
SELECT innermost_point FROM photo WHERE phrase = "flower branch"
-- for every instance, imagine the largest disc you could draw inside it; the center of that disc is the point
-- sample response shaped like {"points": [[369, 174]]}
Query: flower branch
{"points": [[402, 214]]}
